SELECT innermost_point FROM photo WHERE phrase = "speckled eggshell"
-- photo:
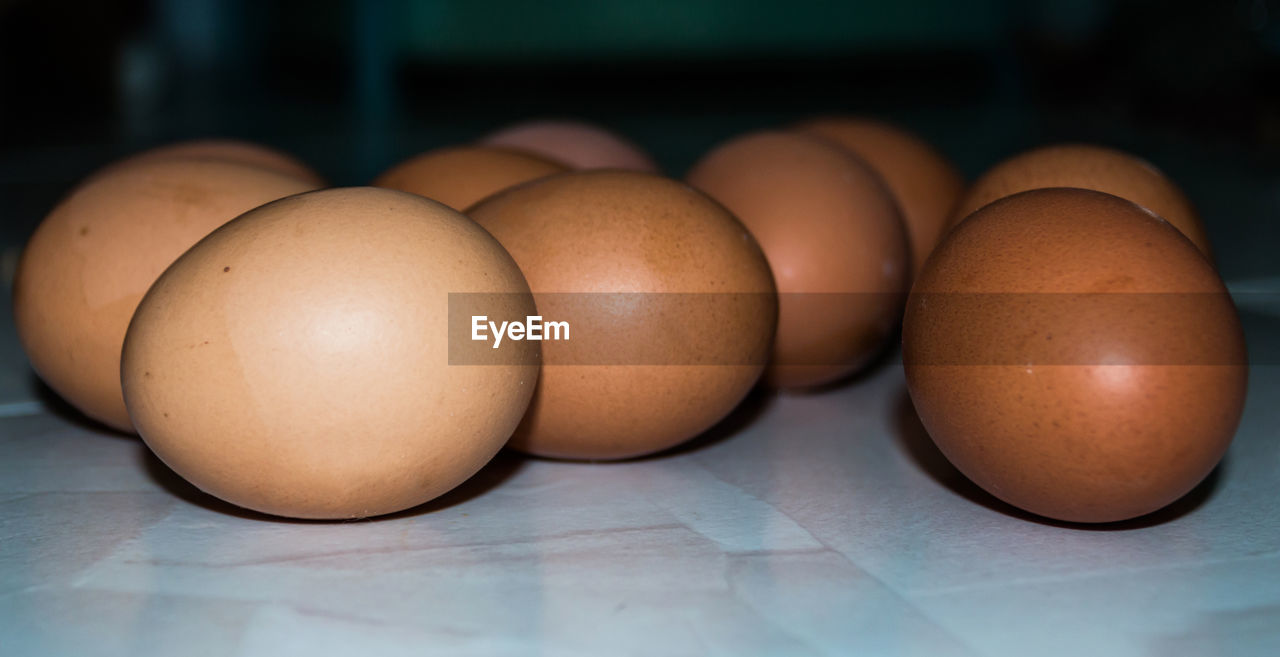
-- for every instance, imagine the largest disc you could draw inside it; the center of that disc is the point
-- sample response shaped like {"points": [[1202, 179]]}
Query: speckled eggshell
{"points": [[1088, 167], [229, 150], [925, 183], [90, 261], [834, 238], [459, 176], [296, 361], [641, 263], [1075, 356], [577, 144]]}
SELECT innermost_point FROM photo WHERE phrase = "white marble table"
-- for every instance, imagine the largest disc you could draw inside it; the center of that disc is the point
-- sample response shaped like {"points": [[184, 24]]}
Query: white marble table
{"points": [[806, 525]]}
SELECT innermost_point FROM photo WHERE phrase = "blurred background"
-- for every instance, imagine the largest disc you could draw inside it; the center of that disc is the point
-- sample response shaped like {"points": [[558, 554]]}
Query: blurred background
{"points": [[352, 87]]}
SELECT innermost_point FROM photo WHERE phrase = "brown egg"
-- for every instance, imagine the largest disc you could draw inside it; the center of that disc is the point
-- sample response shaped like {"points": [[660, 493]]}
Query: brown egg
{"points": [[1075, 356], [1088, 167], [297, 361], [229, 150], [91, 260], [579, 145], [668, 299], [460, 176], [834, 238], [924, 183]]}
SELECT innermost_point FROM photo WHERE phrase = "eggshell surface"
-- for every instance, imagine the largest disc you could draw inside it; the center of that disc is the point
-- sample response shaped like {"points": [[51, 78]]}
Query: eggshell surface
{"points": [[834, 239], [462, 175], [670, 300], [230, 150], [925, 184], [296, 362], [90, 261], [578, 145], [1075, 356], [1089, 167]]}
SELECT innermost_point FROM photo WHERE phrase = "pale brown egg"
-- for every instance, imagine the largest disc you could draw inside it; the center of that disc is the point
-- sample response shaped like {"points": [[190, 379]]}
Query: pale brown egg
{"points": [[669, 304], [1075, 356], [1088, 167], [298, 361], [229, 150], [90, 261], [834, 238], [459, 176], [577, 144], [925, 184]]}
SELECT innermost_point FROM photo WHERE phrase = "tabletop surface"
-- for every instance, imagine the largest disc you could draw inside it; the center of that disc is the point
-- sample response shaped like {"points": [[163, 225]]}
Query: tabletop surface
{"points": [[822, 524], [819, 524]]}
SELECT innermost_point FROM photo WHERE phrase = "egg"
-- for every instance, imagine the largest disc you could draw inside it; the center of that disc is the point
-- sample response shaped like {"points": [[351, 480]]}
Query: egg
{"points": [[925, 184], [1075, 356], [578, 145], [297, 360], [668, 301], [90, 261], [1088, 167], [460, 176], [230, 150], [834, 239]]}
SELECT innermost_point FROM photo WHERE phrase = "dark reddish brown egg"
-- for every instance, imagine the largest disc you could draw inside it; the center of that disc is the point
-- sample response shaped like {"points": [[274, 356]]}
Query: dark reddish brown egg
{"points": [[1075, 355]]}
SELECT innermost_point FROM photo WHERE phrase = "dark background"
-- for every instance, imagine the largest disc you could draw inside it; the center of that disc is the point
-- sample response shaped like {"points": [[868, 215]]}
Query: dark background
{"points": [[351, 87]]}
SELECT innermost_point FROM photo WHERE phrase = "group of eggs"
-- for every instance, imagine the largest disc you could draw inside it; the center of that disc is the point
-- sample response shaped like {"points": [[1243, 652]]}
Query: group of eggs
{"points": [[289, 348]]}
